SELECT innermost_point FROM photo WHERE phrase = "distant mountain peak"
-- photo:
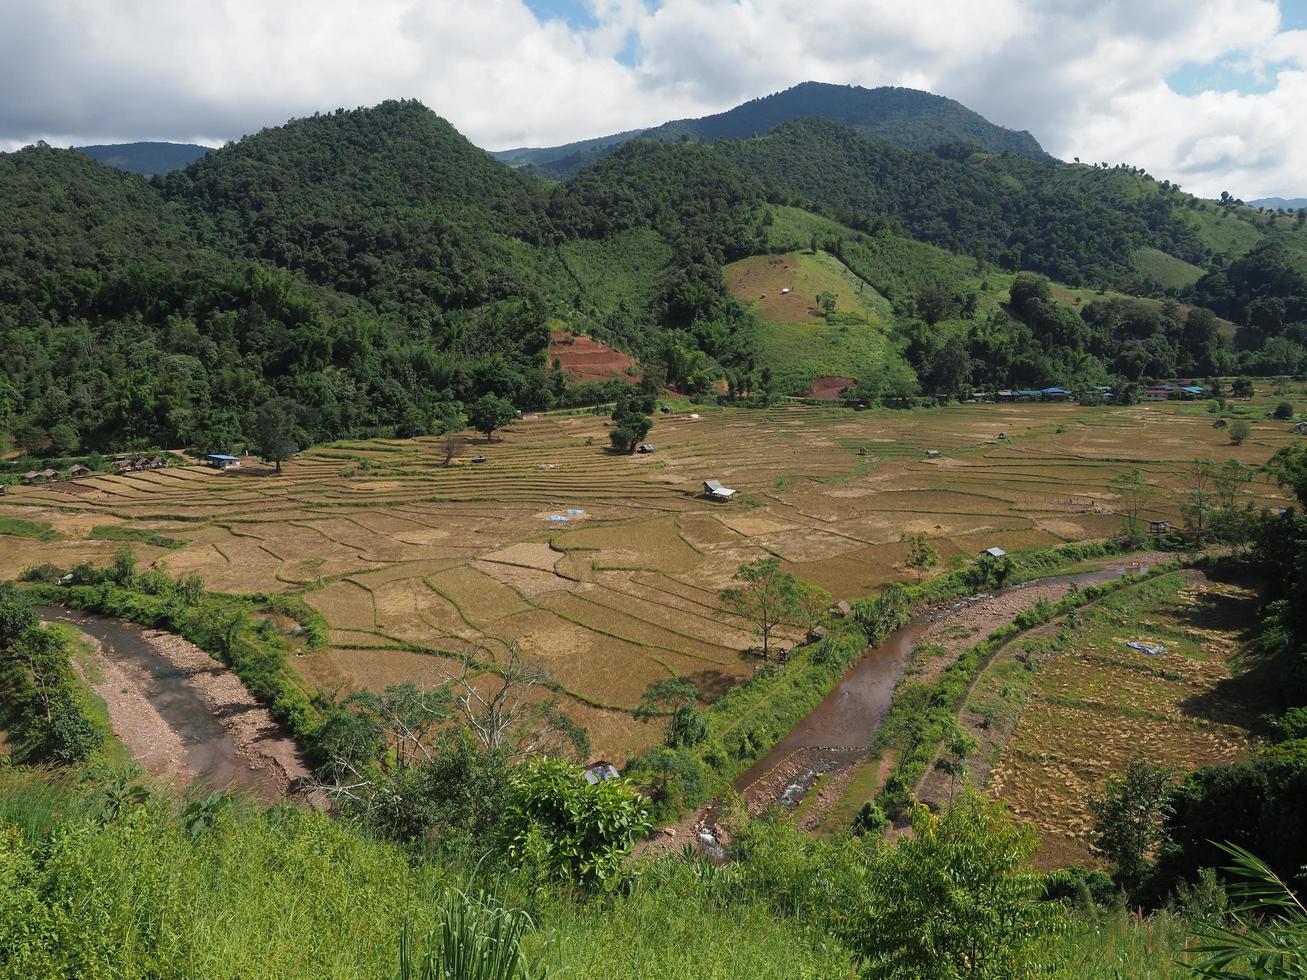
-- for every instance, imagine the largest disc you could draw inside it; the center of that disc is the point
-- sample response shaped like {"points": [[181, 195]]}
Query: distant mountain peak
{"points": [[148, 158], [911, 118]]}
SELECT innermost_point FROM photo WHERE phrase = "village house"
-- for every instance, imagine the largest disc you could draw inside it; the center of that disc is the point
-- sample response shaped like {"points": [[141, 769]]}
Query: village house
{"points": [[714, 489], [1157, 394], [78, 470], [222, 461]]}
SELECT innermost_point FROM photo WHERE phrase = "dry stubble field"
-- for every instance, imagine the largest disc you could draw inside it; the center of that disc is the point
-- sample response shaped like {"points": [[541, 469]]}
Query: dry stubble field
{"points": [[411, 561]]}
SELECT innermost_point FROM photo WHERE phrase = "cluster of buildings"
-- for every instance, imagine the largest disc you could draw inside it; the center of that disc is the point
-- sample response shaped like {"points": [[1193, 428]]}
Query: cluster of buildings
{"points": [[1155, 393], [35, 477], [144, 463], [1165, 393]]}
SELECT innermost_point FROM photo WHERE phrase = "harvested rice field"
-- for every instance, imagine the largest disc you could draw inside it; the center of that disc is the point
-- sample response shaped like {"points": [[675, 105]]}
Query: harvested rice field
{"points": [[605, 569], [1085, 704]]}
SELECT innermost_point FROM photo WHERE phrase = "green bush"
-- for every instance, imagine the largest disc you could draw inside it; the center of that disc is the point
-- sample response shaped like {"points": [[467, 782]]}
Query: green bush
{"points": [[562, 826]]}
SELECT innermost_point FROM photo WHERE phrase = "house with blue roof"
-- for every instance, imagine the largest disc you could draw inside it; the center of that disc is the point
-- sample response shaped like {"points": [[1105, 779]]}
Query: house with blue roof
{"points": [[221, 461]]}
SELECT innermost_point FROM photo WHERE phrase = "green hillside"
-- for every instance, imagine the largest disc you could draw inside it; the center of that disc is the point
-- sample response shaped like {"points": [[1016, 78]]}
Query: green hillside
{"points": [[902, 116], [378, 272], [798, 340]]}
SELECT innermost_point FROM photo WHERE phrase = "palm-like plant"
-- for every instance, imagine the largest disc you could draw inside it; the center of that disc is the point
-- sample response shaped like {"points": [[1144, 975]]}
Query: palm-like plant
{"points": [[1267, 936], [476, 940]]}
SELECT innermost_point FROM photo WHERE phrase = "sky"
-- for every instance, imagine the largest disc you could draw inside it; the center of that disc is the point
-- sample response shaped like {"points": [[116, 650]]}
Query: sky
{"points": [[1207, 93]]}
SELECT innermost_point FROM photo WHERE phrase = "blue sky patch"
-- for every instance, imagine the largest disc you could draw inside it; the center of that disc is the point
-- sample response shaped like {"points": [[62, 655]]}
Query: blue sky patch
{"points": [[1293, 15], [576, 14], [1228, 74]]}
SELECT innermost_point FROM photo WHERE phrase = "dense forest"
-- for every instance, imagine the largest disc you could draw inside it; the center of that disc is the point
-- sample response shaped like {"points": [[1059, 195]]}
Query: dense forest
{"points": [[377, 272], [906, 117]]}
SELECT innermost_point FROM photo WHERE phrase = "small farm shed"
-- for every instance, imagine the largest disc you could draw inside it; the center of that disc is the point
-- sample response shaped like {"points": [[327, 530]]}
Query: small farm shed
{"points": [[1190, 392], [995, 552], [932, 453], [842, 609], [122, 465], [48, 474], [222, 461], [1055, 394], [1220, 424], [646, 447], [1157, 395], [78, 470], [597, 772], [479, 458], [158, 462], [1300, 428], [714, 489], [32, 476], [1160, 527]]}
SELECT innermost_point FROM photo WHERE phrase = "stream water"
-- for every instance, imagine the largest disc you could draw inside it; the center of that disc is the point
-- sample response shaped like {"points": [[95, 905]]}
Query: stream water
{"points": [[211, 753], [841, 729]]}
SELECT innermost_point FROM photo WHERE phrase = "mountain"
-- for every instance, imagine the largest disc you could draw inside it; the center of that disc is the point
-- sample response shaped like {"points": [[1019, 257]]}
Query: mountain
{"points": [[380, 272], [146, 158], [905, 117], [1280, 203]]}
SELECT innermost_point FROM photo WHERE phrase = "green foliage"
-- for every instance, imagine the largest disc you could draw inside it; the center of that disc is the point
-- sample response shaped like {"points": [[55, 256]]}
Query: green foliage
{"points": [[490, 412], [1129, 822], [40, 703], [120, 532], [954, 899], [565, 827], [770, 598], [19, 528], [1240, 430], [476, 939], [1268, 934], [276, 432]]}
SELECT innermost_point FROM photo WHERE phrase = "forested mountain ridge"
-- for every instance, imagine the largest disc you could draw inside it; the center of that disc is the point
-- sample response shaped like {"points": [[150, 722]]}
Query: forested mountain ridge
{"points": [[372, 267], [378, 272], [147, 158], [906, 117]]}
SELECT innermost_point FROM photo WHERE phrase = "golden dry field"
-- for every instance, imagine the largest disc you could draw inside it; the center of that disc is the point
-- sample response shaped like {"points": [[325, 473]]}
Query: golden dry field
{"points": [[411, 561], [1092, 704]]}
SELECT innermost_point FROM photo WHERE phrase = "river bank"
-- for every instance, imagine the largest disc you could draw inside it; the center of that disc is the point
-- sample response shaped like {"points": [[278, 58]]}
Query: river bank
{"points": [[184, 716], [834, 741]]}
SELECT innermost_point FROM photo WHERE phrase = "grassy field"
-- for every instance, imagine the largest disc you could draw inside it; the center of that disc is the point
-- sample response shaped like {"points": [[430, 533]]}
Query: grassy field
{"points": [[798, 341], [1084, 704], [1165, 269], [411, 562]]}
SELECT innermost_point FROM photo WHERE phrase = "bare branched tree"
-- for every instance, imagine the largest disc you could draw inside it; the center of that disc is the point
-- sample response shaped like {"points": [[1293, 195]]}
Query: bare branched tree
{"points": [[507, 710], [451, 445]]}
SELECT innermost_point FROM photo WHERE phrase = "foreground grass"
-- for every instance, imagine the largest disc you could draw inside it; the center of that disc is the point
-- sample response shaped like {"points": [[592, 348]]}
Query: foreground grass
{"points": [[291, 893]]}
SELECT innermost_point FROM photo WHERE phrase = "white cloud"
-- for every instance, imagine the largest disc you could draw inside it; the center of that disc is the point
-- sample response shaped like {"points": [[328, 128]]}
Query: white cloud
{"points": [[1087, 77]]}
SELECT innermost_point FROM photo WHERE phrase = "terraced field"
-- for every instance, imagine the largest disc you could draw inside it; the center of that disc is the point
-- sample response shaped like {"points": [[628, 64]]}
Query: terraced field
{"points": [[1088, 704], [605, 569]]}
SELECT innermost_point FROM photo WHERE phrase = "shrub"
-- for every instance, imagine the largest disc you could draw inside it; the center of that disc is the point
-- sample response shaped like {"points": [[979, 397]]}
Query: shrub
{"points": [[1283, 411], [564, 827]]}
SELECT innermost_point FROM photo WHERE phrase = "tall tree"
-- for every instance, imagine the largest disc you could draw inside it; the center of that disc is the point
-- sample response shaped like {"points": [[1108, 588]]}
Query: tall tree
{"points": [[770, 598], [490, 412], [276, 431], [1129, 822], [1132, 492]]}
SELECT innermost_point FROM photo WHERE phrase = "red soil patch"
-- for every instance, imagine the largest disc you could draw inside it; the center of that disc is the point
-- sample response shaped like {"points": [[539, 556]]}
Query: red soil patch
{"points": [[583, 359], [828, 387]]}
